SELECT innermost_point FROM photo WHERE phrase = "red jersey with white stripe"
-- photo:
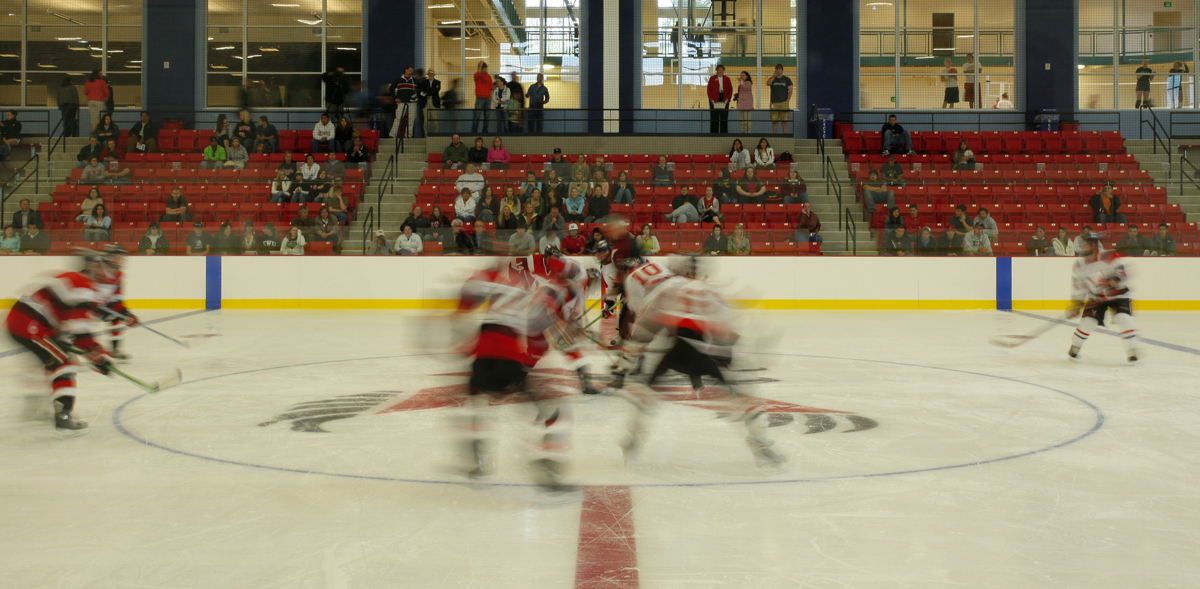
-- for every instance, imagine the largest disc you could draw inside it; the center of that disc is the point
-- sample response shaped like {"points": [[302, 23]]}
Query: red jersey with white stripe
{"points": [[1101, 276], [574, 296], [64, 306], [111, 294], [506, 291], [640, 286]]}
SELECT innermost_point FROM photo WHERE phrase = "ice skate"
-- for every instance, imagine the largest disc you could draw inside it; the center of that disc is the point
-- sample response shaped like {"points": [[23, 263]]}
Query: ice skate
{"points": [[66, 426], [479, 467], [548, 475], [1073, 352], [1133, 358], [764, 456], [585, 382]]}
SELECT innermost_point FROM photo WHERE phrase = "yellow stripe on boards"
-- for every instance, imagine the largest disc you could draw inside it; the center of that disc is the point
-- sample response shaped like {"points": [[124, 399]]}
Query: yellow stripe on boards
{"points": [[165, 303], [1138, 305], [330, 304], [866, 304]]}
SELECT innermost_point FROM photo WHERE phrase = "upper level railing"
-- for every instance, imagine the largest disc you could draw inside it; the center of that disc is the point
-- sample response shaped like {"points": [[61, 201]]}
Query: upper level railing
{"points": [[1159, 44], [917, 47]]}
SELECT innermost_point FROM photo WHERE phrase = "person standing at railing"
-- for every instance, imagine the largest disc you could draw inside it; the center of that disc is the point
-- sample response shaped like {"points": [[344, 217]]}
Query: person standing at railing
{"points": [[10, 134], [781, 99], [516, 106], [97, 95], [538, 97], [720, 93], [68, 105], [1142, 90], [745, 100], [970, 73], [483, 98], [431, 101], [949, 77], [404, 92], [1175, 84]]}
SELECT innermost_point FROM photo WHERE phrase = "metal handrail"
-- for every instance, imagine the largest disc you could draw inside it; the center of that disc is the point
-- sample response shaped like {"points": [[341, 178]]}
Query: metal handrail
{"points": [[851, 230], [815, 120], [54, 144], [1155, 125], [831, 178], [368, 228], [6, 191], [1193, 177], [987, 119], [389, 178]]}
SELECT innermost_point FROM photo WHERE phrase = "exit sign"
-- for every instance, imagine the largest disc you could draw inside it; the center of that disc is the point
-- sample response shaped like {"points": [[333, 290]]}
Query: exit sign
{"points": [[1167, 4]]}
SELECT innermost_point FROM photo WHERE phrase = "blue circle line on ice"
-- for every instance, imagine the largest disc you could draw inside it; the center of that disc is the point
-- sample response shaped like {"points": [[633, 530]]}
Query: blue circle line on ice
{"points": [[116, 419]]}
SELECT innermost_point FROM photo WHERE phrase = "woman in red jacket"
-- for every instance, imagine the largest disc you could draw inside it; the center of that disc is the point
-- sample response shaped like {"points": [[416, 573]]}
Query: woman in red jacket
{"points": [[720, 92], [97, 92]]}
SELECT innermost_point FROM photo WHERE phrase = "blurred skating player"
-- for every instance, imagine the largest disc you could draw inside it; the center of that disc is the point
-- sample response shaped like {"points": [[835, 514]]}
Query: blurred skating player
{"points": [[1100, 282], [113, 297], [699, 326], [570, 277], [618, 245], [509, 344], [53, 322]]}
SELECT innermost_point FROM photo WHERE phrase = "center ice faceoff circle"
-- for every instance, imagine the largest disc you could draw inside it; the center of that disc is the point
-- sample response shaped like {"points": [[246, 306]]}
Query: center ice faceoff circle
{"points": [[393, 418]]}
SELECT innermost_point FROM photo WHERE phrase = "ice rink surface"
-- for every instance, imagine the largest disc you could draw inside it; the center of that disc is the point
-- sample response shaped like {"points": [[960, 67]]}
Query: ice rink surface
{"points": [[315, 450]]}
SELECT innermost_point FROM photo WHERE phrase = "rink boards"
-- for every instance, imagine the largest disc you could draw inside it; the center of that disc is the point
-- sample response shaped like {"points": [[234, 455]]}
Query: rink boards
{"points": [[827, 282]]}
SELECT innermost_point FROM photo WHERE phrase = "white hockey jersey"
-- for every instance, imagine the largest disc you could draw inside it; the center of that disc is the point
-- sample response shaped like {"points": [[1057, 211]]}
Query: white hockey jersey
{"points": [[1101, 276]]}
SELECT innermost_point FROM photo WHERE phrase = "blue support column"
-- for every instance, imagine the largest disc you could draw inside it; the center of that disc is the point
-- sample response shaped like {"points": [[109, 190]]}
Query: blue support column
{"points": [[212, 283], [169, 56], [631, 61], [592, 66], [1050, 41], [392, 37], [830, 27], [1004, 284]]}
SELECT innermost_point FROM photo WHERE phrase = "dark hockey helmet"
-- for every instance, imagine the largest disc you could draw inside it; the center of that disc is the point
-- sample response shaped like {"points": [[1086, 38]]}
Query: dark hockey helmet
{"points": [[114, 255]]}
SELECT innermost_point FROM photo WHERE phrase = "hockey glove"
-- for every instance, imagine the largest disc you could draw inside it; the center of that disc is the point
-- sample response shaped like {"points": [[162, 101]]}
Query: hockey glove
{"points": [[610, 308], [100, 360]]}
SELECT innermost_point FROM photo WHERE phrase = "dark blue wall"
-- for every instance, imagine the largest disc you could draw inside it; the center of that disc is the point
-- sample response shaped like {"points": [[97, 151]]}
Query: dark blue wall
{"points": [[630, 59], [1050, 38], [391, 43], [171, 32], [831, 31], [592, 54]]}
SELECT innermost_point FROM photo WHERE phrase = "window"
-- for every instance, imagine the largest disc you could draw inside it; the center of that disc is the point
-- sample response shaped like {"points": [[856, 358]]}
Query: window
{"points": [[271, 54], [1116, 37], [923, 54], [40, 44], [526, 38], [691, 38]]}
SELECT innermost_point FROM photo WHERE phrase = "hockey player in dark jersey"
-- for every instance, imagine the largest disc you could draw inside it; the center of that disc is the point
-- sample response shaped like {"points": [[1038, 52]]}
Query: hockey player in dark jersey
{"points": [[619, 245], [53, 322], [1100, 283], [112, 298]]}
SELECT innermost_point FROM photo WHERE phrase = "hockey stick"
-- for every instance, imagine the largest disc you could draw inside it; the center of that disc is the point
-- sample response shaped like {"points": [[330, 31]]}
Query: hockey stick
{"points": [[1015, 340], [148, 328], [150, 387]]}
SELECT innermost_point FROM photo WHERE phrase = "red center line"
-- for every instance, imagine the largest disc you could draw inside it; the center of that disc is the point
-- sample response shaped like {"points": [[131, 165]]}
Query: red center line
{"points": [[607, 554]]}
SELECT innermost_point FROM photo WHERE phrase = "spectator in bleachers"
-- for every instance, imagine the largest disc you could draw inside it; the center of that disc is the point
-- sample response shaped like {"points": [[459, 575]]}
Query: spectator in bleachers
{"points": [[897, 243], [744, 97], [198, 242], [437, 220], [498, 157], [35, 242], [281, 187], [716, 243], [328, 229], [323, 133], [478, 153], [600, 182], [550, 239], [574, 244], [1004, 102], [10, 242], [293, 243], [598, 206], [912, 222], [68, 105], [111, 153], [1106, 206], [751, 190], [925, 244], [1133, 244], [1063, 246], [599, 167], [1038, 245], [1163, 244], [529, 185], [623, 192], [1084, 234], [950, 243], [92, 199], [481, 241], [10, 134], [107, 129], [894, 135], [579, 185], [359, 153], [977, 242], [963, 158], [808, 226], [306, 222], [559, 165], [457, 240], [236, 156], [96, 224], [143, 135], [894, 219], [539, 205], [93, 149], [93, 172], [114, 173], [739, 156], [223, 130], [764, 155], [581, 168], [416, 219], [318, 190], [509, 200], [507, 221], [225, 242], [214, 155], [552, 202], [26, 216], [553, 221], [379, 245], [456, 154], [248, 240], [288, 165], [683, 207], [269, 242], [555, 187], [709, 207], [530, 217], [594, 240], [794, 190], [334, 168], [309, 169], [520, 243], [243, 130], [725, 188], [576, 206], [961, 222], [739, 241], [989, 225], [464, 206], [469, 180], [487, 208], [892, 172], [266, 135], [343, 135], [501, 95], [337, 205], [662, 175]]}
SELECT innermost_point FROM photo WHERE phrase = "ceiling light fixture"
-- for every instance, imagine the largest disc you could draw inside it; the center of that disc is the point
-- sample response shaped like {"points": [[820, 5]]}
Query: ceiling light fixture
{"points": [[9, 55], [135, 61], [222, 48], [69, 38], [347, 48], [269, 49], [51, 12], [51, 66], [450, 22], [286, 5], [431, 6], [219, 67]]}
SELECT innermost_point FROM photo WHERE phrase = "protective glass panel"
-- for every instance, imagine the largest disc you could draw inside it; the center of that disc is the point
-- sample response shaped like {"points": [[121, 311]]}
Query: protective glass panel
{"points": [[10, 89], [225, 12], [344, 49], [64, 48], [10, 48], [290, 49], [226, 90], [65, 12], [284, 13], [127, 89]]}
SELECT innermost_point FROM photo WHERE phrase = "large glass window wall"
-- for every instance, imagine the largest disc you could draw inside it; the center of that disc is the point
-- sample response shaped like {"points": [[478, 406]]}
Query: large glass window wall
{"points": [[1119, 37]]}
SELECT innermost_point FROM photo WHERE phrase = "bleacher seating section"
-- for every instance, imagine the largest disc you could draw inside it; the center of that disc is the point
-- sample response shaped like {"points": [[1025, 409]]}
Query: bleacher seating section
{"points": [[1026, 179]]}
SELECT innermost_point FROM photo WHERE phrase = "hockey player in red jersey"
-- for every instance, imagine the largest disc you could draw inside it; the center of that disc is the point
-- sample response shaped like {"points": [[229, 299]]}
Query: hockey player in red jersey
{"points": [[572, 281], [53, 322], [619, 245], [112, 298], [1099, 283]]}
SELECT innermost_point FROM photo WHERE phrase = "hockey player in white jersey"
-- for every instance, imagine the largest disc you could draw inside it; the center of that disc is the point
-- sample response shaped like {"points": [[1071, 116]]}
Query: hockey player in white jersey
{"points": [[1099, 283], [699, 327]]}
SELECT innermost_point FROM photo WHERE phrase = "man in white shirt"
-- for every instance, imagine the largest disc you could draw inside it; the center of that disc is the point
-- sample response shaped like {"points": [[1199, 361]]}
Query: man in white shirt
{"points": [[409, 243], [949, 77], [1004, 102], [464, 206], [470, 179], [323, 134]]}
